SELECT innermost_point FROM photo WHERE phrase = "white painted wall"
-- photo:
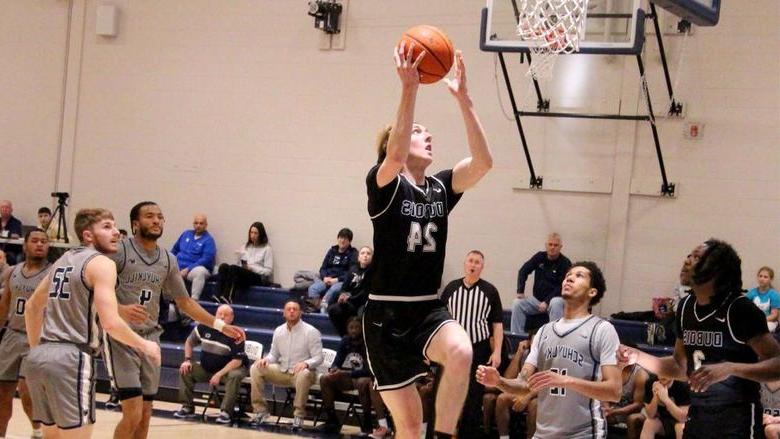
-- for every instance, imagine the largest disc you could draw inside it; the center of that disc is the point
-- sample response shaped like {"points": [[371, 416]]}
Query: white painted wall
{"points": [[229, 108]]}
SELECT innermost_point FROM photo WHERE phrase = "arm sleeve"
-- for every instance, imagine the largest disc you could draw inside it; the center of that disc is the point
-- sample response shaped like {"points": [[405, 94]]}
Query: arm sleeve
{"points": [[525, 270], [314, 339], [238, 351], [496, 309], [194, 337], [379, 198], [746, 319], [173, 287], [445, 177], [207, 257], [341, 353], [606, 343], [533, 353]]}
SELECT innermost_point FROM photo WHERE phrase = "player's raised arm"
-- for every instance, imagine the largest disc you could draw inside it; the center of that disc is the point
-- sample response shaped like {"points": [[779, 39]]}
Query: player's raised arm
{"points": [[471, 169], [100, 272], [193, 309], [489, 377], [33, 312], [400, 135]]}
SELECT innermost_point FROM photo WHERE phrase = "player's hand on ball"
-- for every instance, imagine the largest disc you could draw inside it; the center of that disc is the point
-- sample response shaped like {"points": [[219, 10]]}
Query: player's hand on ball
{"points": [[133, 313], [457, 85], [405, 65], [545, 379], [234, 332], [152, 350], [488, 376], [702, 378]]}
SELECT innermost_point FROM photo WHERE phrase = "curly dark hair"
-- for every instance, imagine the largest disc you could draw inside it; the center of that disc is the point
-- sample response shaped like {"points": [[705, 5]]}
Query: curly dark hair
{"points": [[722, 263]]}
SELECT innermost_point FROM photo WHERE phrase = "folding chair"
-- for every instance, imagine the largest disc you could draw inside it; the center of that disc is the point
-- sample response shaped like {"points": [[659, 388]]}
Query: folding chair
{"points": [[328, 355], [253, 350]]}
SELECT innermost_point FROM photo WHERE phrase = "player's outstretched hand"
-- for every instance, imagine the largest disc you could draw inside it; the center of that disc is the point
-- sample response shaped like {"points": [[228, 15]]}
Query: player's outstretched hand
{"points": [[488, 376], [234, 332], [133, 313], [457, 85], [545, 379], [626, 356], [406, 66], [151, 350], [705, 376]]}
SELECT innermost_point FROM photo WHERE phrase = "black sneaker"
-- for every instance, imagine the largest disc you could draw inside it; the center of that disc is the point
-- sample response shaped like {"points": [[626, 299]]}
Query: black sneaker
{"points": [[185, 413], [113, 403]]}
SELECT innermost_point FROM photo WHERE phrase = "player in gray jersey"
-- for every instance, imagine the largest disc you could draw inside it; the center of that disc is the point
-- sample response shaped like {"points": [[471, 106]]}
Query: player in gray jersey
{"points": [[770, 401], [20, 282], [61, 318], [572, 364], [146, 274]]}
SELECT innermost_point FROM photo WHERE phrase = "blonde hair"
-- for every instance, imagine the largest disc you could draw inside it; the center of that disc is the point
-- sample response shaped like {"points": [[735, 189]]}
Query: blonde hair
{"points": [[770, 272], [381, 143], [87, 217]]}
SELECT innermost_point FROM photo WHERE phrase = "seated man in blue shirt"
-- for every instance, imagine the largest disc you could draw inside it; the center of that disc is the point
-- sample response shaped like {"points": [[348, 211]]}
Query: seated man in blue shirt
{"points": [[333, 271], [549, 268], [195, 251], [222, 361]]}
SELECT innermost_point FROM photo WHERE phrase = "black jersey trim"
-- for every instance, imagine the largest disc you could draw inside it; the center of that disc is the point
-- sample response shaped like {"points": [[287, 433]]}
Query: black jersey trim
{"points": [[446, 195], [44, 268], [141, 256], [390, 203], [433, 334], [572, 329]]}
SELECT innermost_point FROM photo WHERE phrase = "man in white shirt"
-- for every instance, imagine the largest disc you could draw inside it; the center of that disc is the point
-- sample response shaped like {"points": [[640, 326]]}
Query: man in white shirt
{"points": [[296, 351]]}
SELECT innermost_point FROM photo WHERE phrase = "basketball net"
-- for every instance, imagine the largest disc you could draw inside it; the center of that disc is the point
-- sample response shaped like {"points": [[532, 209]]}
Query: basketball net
{"points": [[556, 26]]}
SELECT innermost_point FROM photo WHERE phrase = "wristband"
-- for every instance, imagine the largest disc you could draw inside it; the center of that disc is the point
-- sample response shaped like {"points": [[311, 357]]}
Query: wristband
{"points": [[219, 324]]}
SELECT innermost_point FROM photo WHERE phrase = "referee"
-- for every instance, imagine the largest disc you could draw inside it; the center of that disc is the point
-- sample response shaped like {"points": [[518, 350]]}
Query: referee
{"points": [[476, 305]]}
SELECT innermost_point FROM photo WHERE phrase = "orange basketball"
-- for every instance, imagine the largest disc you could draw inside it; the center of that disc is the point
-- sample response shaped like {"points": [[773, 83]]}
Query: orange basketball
{"points": [[440, 54]]}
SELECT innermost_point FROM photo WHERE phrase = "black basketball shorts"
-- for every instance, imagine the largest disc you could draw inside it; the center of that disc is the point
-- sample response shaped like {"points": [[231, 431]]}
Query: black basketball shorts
{"points": [[397, 336], [738, 421]]}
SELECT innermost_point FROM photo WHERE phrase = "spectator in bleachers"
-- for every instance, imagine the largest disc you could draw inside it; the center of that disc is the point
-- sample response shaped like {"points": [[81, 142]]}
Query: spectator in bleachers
{"points": [[354, 294], [10, 227], [333, 271], [506, 403], [770, 401], [195, 251], [296, 351], [666, 408], [765, 297], [4, 266], [44, 223], [549, 268], [222, 361], [476, 305], [350, 372], [631, 400], [256, 267]]}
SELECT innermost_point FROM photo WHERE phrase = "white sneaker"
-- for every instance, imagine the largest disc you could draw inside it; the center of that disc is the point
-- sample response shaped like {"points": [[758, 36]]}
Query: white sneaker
{"points": [[259, 419], [297, 422]]}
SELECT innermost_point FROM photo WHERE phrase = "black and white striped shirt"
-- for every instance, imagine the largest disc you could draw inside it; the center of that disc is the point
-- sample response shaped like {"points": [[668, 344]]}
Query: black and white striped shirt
{"points": [[476, 308]]}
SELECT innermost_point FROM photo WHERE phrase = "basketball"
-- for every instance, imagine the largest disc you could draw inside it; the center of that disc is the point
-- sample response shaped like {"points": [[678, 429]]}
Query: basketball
{"points": [[438, 59]]}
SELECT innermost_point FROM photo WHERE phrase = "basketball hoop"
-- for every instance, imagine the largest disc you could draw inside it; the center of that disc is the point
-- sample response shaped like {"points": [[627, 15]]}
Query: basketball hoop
{"points": [[555, 25]]}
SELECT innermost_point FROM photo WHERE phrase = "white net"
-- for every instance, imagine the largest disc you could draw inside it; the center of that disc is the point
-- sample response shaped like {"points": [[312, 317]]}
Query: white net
{"points": [[556, 27]]}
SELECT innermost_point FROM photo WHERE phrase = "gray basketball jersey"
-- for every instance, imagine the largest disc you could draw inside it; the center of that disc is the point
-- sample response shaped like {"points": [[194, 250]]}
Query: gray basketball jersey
{"points": [[70, 315], [144, 277], [572, 353], [770, 400], [22, 287]]}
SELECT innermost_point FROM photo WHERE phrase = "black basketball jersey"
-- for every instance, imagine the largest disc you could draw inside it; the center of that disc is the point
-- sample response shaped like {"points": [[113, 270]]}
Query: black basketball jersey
{"points": [[716, 333], [410, 233]]}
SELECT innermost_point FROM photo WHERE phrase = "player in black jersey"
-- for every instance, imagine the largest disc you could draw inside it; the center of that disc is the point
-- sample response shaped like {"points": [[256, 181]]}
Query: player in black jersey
{"points": [[723, 348], [405, 325]]}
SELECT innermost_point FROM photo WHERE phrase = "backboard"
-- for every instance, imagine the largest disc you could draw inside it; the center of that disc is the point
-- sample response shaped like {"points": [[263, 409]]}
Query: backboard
{"points": [[613, 27], [700, 12]]}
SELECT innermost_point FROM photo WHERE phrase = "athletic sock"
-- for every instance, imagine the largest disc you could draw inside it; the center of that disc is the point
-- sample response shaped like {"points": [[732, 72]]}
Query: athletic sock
{"points": [[423, 430], [36, 433]]}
